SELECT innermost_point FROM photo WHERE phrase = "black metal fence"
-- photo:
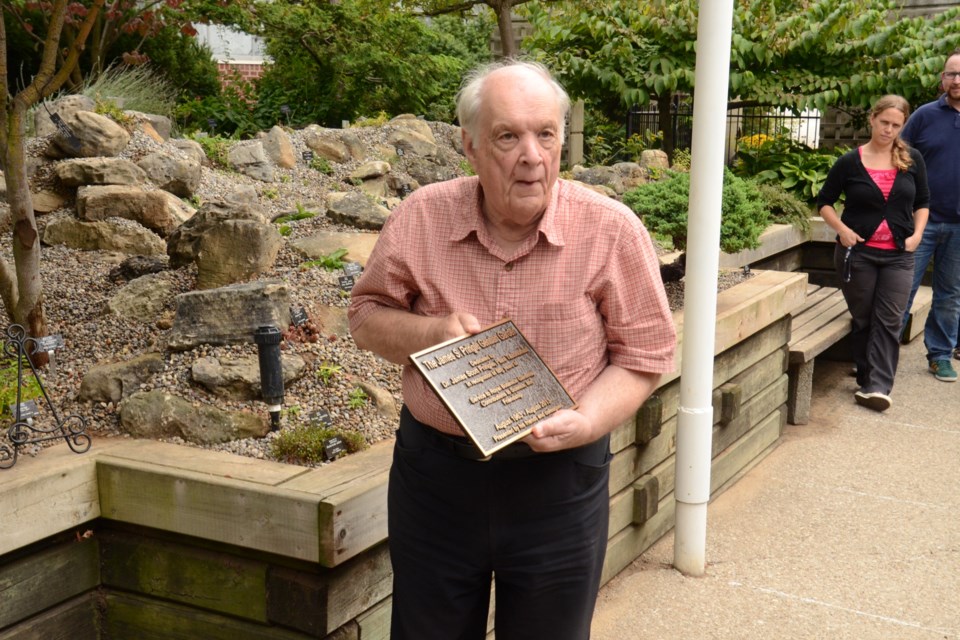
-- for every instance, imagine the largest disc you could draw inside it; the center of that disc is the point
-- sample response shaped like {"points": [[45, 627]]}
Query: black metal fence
{"points": [[742, 125]]}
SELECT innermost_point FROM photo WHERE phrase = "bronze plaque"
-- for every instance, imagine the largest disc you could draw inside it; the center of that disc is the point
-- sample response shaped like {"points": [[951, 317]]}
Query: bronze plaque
{"points": [[494, 384]]}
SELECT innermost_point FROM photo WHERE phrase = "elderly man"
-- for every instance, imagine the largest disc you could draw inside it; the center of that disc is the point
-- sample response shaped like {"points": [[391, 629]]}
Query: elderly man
{"points": [[578, 275]]}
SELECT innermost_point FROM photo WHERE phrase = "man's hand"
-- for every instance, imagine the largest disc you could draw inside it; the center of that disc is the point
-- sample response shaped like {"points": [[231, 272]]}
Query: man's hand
{"points": [[611, 399], [565, 429]]}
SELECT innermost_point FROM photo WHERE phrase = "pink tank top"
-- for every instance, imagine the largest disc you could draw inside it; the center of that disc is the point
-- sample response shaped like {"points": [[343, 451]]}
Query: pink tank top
{"points": [[882, 238]]}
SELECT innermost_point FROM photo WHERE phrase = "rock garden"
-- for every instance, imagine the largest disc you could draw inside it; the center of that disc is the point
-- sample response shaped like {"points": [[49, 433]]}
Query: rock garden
{"points": [[162, 255]]}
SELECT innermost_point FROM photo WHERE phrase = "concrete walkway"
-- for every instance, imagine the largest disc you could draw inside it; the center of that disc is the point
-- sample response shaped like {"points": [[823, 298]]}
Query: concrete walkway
{"points": [[850, 528]]}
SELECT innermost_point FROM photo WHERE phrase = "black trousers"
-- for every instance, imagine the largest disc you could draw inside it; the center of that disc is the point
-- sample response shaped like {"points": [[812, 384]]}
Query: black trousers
{"points": [[876, 285], [538, 524]]}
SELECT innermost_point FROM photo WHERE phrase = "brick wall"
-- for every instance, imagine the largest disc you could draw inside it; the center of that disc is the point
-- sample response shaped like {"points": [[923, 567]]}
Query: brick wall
{"points": [[246, 71]]}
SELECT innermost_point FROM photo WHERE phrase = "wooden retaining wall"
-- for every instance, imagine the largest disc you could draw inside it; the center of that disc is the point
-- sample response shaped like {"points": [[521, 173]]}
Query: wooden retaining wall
{"points": [[139, 539]]}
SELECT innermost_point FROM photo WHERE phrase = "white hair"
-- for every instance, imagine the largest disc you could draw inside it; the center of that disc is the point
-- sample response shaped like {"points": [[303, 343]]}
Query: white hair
{"points": [[470, 96]]}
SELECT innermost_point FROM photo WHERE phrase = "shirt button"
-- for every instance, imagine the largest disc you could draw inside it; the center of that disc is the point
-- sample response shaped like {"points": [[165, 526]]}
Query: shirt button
{"points": [[509, 266]]}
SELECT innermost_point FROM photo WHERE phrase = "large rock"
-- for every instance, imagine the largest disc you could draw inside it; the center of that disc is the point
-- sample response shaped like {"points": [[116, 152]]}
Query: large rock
{"points": [[191, 149], [239, 378], [158, 414], [46, 201], [94, 135], [183, 245], [114, 234], [143, 298], [65, 107], [98, 171], [357, 210], [229, 315], [427, 171], [161, 124], [179, 176], [279, 148], [156, 210], [116, 380], [413, 123], [409, 141], [319, 245], [250, 159], [236, 251], [335, 145]]}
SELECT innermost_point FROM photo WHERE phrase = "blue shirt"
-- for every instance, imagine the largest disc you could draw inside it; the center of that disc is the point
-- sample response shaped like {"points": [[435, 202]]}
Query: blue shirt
{"points": [[934, 130]]}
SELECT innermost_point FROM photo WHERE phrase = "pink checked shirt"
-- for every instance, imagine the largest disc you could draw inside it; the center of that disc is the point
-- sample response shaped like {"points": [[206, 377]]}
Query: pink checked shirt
{"points": [[585, 290]]}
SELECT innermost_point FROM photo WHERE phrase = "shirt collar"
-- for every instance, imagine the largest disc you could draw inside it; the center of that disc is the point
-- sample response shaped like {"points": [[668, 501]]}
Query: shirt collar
{"points": [[549, 228]]}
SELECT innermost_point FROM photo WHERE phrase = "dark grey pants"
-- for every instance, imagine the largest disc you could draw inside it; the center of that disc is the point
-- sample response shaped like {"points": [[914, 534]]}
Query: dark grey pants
{"points": [[539, 524], [876, 285]]}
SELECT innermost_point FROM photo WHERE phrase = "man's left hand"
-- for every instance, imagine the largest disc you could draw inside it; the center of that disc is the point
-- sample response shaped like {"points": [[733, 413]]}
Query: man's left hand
{"points": [[565, 429]]}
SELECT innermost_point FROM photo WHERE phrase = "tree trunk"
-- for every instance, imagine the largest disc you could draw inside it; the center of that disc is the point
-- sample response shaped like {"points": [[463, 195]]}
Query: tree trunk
{"points": [[508, 46], [24, 298], [665, 122]]}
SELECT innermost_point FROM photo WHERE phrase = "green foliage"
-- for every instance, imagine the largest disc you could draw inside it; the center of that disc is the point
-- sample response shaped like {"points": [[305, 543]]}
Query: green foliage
{"points": [[284, 230], [330, 262], [8, 384], [336, 61], [304, 444], [327, 371], [371, 121], [234, 111], [794, 166], [663, 207], [681, 160], [792, 54], [110, 109], [785, 207], [184, 63], [358, 398], [216, 148], [605, 141], [322, 165], [127, 32], [301, 214]]}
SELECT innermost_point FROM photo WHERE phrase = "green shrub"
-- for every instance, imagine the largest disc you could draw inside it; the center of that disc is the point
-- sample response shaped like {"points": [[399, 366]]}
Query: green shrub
{"points": [[681, 160], [304, 444], [8, 384], [785, 208], [232, 112], [780, 160], [663, 205]]}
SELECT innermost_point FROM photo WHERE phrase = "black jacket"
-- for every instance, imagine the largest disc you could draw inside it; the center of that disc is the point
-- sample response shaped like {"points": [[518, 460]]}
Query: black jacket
{"points": [[865, 208]]}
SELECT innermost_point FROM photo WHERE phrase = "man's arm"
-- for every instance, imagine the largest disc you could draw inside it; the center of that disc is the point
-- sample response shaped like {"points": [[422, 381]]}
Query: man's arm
{"points": [[613, 397], [394, 334]]}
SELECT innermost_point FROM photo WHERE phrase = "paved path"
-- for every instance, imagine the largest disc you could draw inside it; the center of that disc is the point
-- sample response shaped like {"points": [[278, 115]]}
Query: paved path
{"points": [[850, 528]]}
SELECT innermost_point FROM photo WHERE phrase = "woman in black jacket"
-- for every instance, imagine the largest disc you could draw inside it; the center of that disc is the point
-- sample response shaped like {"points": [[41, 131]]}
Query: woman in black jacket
{"points": [[884, 214]]}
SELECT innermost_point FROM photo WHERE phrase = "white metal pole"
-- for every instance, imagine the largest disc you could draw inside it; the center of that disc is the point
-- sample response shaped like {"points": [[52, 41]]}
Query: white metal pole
{"points": [[695, 413]]}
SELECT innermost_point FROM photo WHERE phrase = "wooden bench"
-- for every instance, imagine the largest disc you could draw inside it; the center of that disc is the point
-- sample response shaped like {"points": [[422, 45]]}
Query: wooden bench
{"points": [[918, 314], [821, 322]]}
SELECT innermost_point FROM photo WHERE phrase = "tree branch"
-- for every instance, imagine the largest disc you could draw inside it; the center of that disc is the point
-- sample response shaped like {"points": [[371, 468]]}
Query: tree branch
{"points": [[45, 83], [455, 8]]}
